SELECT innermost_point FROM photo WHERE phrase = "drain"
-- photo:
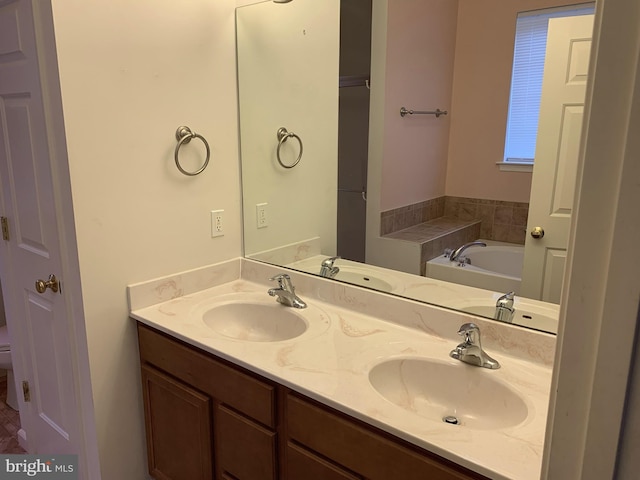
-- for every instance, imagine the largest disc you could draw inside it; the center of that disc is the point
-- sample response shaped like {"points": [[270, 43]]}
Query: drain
{"points": [[451, 420]]}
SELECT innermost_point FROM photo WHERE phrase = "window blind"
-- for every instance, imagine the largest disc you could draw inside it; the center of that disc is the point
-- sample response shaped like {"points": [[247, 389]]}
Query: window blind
{"points": [[526, 81]]}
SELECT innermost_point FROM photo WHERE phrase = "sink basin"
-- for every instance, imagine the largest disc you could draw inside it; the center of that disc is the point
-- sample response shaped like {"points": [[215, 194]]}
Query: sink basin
{"points": [[363, 278], [255, 321], [435, 390], [522, 317]]}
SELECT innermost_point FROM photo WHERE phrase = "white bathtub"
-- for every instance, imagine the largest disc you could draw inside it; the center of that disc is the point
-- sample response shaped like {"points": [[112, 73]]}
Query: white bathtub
{"points": [[496, 267]]}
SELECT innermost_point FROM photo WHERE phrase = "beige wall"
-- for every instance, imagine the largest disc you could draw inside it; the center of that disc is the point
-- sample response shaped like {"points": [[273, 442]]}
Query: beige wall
{"points": [[481, 84], [424, 157], [131, 73], [419, 73]]}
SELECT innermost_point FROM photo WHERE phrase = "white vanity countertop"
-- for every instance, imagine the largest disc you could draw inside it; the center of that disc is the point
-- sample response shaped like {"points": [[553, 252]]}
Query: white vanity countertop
{"points": [[331, 360]]}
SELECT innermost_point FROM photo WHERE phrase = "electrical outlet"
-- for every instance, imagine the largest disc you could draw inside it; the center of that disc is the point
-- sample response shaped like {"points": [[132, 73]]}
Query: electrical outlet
{"points": [[262, 220], [217, 223]]}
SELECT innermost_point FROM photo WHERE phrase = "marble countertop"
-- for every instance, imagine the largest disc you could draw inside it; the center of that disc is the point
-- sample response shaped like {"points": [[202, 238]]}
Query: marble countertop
{"points": [[331, 361]]}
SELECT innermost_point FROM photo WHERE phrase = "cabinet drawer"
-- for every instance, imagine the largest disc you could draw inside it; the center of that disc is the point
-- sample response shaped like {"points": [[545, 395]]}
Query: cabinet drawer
{"points": [[361, 449], [228, 384], [301, 463], [245, 450], [178, 423]]}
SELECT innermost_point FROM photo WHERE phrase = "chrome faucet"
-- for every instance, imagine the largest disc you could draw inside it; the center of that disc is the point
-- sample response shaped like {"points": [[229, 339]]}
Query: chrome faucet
{"points": [[327, 269], [470, 351], [286, 292], [453, 256], [504, 308]]}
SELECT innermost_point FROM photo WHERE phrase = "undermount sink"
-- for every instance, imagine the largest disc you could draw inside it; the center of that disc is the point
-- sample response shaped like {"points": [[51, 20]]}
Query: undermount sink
{"points": [[451, 392], [255, 321]]}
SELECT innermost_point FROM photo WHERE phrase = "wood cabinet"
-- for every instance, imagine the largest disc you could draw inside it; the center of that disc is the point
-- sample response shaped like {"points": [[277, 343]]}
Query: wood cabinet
{"points": [[209, 419], [205, 418], [178, 420], [360, 448]]}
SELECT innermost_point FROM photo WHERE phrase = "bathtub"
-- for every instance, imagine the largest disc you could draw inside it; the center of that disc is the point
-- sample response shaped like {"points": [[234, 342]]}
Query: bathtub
{"points": [[496, 267]]}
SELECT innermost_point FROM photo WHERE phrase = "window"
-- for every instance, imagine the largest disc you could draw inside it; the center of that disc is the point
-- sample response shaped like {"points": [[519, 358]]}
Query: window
{"points": [[526, 80]]}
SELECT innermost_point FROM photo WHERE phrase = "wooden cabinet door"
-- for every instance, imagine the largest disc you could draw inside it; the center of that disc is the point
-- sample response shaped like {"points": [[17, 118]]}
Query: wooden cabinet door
{"points": [[245, 450], [361, 448], [178, 420], [302, 463]]}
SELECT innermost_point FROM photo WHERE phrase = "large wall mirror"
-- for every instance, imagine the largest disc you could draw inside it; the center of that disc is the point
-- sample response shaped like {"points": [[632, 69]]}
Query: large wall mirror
{"points": [[337, 182]]}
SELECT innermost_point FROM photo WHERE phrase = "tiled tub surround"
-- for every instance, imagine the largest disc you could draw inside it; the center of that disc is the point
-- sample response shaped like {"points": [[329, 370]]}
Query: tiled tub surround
{"points": [[448, 222], [410, 215], [501, 221], [365, 329]]}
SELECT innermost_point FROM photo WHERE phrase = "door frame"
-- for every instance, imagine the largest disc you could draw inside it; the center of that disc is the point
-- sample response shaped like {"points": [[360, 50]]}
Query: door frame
{"points": [[599, 303]]}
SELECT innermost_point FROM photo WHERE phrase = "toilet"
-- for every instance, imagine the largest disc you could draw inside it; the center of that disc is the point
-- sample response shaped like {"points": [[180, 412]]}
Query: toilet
{"points": [[5, 363]]}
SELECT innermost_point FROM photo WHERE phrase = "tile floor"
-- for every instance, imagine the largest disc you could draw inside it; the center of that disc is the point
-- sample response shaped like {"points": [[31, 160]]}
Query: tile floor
{"points": [[9, 423]]}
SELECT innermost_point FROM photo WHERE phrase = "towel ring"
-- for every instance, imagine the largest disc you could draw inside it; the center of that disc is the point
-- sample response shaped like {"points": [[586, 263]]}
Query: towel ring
{"points": [[184, 136], [283, 135]]}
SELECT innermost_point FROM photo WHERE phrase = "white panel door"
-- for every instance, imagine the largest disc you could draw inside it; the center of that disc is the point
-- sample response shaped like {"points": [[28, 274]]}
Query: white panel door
{"points": [[38, 322], [556, 161]]}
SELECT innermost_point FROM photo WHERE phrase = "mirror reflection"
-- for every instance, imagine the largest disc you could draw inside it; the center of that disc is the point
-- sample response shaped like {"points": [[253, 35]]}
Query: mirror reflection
{"points": [[424, 206]]}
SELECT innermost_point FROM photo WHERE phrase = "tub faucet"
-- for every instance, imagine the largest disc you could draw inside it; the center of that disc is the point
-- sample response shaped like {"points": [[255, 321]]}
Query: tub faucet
{"points": [[470, 351], [504, 308], [453, 256], [327, 269], [286, 292]]}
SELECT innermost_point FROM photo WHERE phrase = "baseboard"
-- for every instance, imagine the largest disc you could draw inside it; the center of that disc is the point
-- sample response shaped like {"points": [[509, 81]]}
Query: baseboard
{"points": [[22, 439]]}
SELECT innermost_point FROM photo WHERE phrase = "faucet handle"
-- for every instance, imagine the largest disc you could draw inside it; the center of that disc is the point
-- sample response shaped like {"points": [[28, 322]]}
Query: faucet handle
{"points": [[506, 300], [466, 328], [283, 279], [471, 333], [463, 260], [328, 262]]}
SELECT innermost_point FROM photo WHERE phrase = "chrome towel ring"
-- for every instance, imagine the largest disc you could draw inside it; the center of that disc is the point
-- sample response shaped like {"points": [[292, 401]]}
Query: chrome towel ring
{"points": [[283, 135], [184, 135]]}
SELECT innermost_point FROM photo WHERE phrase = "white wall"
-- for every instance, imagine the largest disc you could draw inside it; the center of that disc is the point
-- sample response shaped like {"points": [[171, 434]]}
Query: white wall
{"points": [[288, 77], [131, 73]]}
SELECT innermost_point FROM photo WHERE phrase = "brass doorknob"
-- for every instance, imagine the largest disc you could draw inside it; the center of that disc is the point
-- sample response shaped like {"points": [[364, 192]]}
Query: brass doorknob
{"points": [[537, 232], [52, 283]]}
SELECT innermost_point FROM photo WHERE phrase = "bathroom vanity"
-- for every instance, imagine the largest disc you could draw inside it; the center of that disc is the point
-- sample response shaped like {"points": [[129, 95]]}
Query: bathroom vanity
{"points": [[355, 386], [208, 418]]}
